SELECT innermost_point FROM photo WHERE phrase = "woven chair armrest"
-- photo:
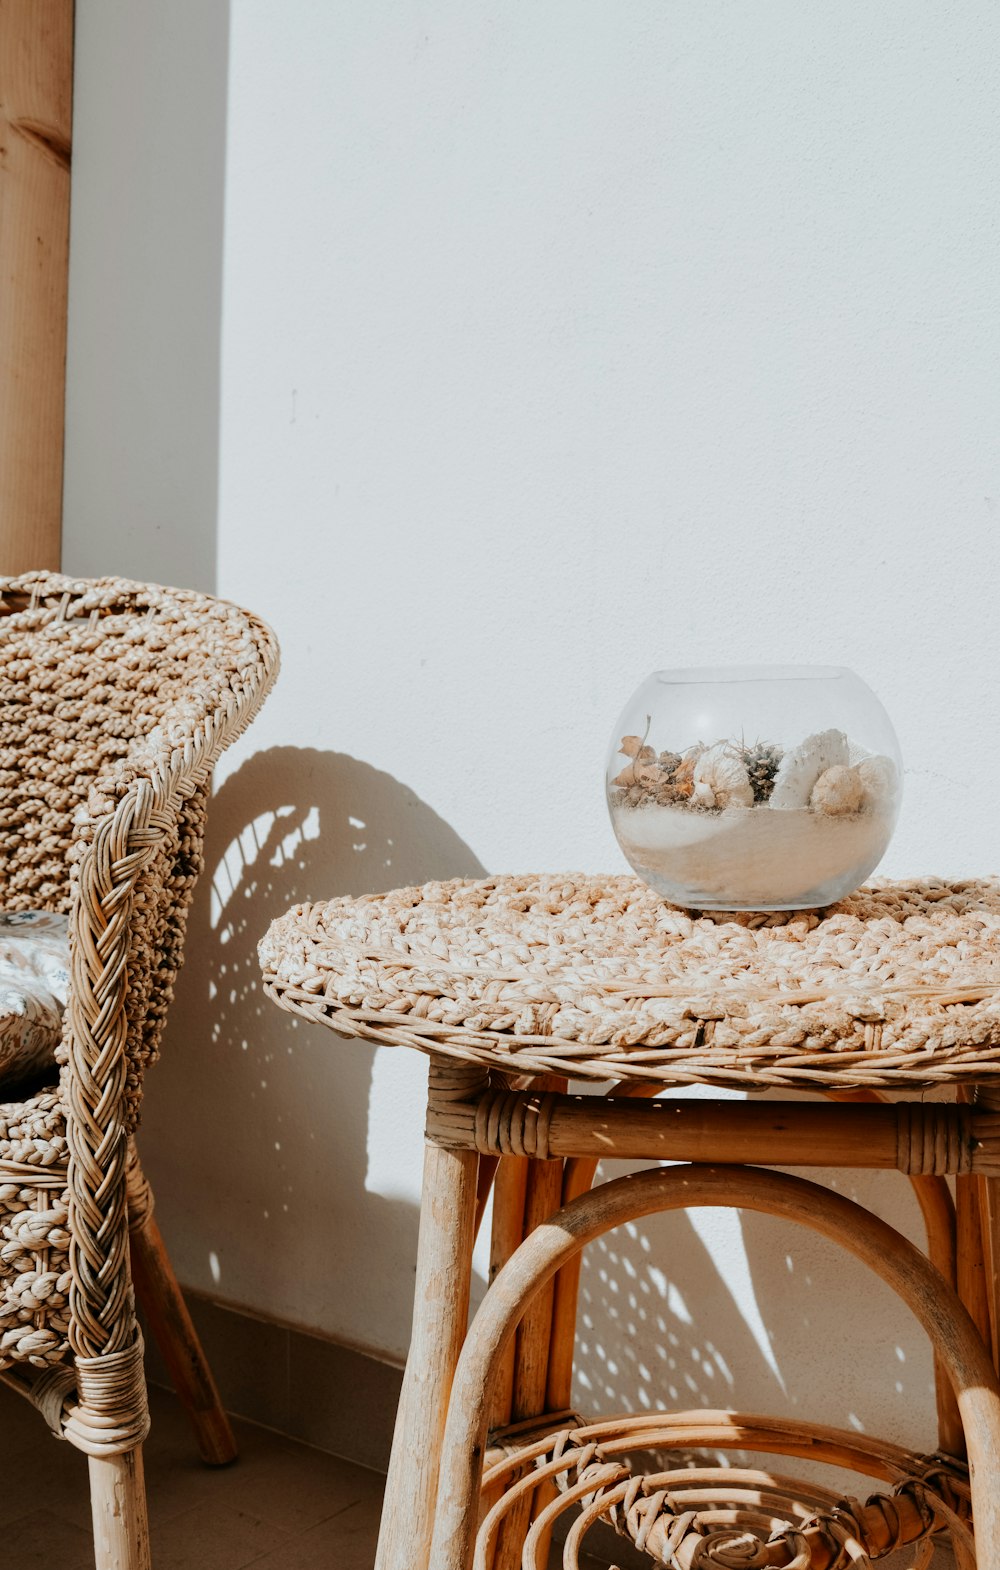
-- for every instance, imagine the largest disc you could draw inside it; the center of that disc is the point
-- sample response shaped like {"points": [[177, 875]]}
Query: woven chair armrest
{"points": [[110, 901], [95, 1070], [137, 805]]}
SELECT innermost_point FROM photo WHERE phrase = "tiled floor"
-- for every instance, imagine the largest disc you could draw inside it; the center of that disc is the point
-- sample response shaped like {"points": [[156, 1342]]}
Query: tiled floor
{"points": [[282, 1506]]}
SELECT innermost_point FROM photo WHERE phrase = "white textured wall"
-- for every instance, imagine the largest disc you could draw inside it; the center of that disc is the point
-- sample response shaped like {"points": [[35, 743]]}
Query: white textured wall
{"points": [[557, 343]]}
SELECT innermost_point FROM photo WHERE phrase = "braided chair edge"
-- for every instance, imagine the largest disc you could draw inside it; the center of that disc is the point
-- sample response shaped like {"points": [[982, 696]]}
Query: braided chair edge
{"points": [[119, 843]]}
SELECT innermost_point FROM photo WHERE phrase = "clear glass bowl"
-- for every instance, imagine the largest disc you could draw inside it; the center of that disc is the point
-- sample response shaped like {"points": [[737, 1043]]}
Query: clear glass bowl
{"points": [[754, 788]]}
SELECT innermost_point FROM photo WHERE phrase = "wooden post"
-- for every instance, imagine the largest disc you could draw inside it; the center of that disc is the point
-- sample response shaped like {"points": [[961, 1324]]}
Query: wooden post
{"points": [[919, 1138], [543, 1197], [988, 1098], [510, 1191], [118, 1504], [578, 1174], [36, 78], [509, 1194], [440, 1319]]}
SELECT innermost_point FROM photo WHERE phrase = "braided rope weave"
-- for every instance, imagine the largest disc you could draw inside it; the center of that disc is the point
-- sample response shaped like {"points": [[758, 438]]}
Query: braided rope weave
{"points": [[598, 978], [116, 699], [34, 1232]]}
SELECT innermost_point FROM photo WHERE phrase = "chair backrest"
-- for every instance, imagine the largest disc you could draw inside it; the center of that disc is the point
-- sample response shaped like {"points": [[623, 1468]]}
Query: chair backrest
{"points": [[94, 675]]}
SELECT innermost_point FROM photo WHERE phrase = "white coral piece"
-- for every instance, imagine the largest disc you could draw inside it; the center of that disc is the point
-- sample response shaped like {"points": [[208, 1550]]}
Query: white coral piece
{"points": [[838, 791], [802, 766], [721, 779], [878, 780]]}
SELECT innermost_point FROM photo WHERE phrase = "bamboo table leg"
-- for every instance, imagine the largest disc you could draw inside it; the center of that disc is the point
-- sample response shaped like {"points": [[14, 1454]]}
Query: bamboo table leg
{"points": [[508, 1232], [988, 1100], [549, 1248], [979, 1248], [578, 1175], [977, 1205], [543, 1196], [509, 1194], [440, 1320]]}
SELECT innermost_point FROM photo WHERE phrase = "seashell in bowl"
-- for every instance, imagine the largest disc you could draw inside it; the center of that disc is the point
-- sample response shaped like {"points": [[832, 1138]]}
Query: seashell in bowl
{"points": [[721, 779], [802, 766], [838, 790]]}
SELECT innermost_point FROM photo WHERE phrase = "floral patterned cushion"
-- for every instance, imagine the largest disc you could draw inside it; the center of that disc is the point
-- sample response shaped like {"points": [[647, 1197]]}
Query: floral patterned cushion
{"points": [[34, 986]]}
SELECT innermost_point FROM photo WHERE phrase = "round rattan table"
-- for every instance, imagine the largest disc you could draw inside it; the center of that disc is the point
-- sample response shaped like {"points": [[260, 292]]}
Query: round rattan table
{"points": [[517, 987]]}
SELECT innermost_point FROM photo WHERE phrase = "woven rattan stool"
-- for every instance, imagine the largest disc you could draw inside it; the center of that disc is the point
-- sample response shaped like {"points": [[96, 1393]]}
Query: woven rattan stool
{"points": [[514, 986]]}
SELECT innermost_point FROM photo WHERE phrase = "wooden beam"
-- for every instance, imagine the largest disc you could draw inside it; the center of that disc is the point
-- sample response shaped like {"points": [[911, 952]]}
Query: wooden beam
{"points": [[36, 82]]}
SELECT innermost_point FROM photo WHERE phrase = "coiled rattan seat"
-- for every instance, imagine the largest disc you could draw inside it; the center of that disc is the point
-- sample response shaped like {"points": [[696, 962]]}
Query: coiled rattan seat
{"points": [[34, 1236]]}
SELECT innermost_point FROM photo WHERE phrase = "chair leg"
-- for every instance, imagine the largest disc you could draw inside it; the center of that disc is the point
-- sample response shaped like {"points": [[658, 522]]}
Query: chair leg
{"points": [[162, 1302], [118, 1502]]}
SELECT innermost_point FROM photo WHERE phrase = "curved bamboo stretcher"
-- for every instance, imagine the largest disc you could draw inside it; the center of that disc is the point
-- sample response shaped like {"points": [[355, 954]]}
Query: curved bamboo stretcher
{"points": [[514, 986], [964, 1358]]}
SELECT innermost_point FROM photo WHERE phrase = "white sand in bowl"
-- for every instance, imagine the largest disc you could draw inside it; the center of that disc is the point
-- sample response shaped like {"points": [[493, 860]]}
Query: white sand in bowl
{"points": [[751, 857]]}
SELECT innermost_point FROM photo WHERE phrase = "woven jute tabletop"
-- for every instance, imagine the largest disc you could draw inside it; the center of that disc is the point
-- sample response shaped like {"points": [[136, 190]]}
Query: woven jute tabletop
{"points": [[597, 978]]}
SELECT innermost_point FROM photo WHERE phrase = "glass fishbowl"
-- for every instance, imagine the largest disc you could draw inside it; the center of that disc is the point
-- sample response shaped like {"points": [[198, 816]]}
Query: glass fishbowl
{"points": [[754, 787]]}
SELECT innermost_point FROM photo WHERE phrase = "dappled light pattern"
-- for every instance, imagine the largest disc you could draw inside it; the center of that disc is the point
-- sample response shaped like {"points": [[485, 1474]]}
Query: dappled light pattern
{"points": [[279, 1127], [668, 1317], [658, 1327]]}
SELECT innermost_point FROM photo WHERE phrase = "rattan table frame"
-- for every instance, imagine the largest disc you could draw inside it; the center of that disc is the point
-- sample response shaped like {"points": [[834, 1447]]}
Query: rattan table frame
{"points": [[487, 1451]]}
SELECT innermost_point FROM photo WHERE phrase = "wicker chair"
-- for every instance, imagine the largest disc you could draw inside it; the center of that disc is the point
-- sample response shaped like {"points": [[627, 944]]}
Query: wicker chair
{"points": [[116, 699]]}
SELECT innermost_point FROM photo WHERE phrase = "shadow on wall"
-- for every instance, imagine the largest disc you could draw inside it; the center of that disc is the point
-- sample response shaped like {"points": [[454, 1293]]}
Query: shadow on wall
{"points": [[851, 1351], [789, 1326], [657, 1326], [256, 1129]]}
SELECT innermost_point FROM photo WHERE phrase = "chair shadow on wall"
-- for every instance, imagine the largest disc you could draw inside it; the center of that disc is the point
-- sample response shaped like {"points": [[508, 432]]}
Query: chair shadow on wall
{"points": [[266, 1201]]}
